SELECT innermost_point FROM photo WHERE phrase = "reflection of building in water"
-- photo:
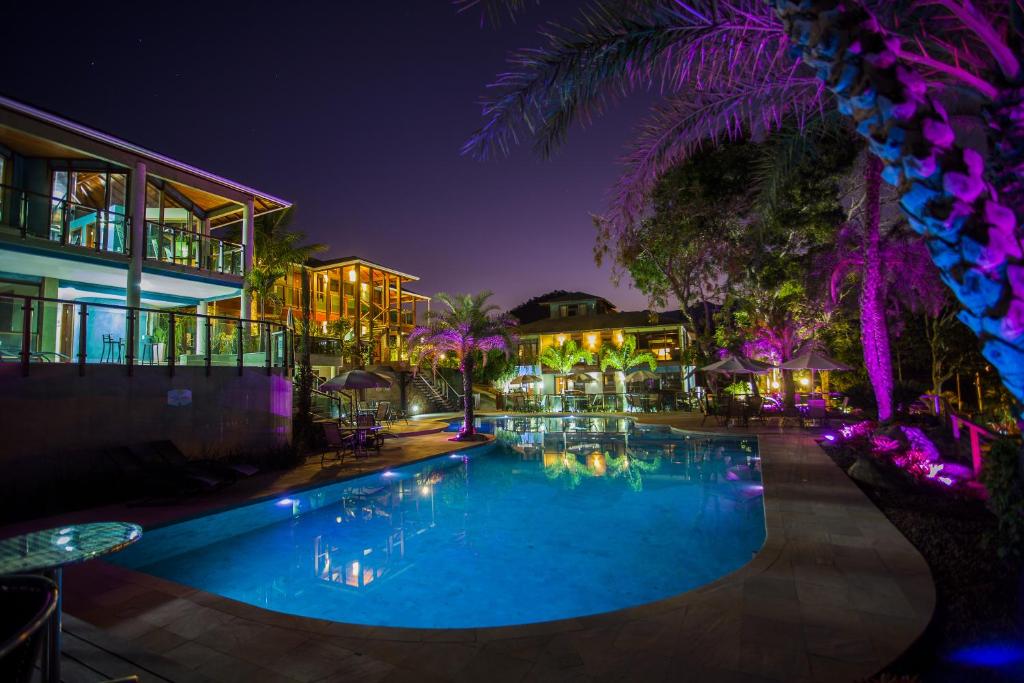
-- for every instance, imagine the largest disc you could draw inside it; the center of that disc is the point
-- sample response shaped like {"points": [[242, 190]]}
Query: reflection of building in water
{"points": [[386, 516]]}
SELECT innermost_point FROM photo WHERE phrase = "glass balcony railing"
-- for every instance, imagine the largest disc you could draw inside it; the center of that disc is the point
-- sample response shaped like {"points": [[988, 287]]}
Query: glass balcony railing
{"points": [[37, 330], [63, 221], [170, 244], [68, 223]]}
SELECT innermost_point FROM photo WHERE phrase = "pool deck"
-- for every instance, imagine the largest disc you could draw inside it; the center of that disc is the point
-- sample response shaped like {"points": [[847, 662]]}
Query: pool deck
{"points": [[835, 594]]}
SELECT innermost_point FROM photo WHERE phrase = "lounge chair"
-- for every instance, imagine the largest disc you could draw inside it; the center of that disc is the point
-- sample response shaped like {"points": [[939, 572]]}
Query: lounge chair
{"points": [[170, 452], [337, 442], [133, 475], [153, 462]]}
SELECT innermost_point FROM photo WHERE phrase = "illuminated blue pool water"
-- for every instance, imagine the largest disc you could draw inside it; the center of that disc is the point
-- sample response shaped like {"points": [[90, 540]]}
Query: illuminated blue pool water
{"points": [[558, 518]]}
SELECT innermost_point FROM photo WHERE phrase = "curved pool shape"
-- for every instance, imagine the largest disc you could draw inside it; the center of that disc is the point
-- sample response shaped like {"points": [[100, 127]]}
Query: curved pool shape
{"points": [[558, 518]]}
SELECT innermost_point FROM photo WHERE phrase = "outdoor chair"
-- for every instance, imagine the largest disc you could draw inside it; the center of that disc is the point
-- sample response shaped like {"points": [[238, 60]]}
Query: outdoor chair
{"points": [[790, 413], [337, 443], [816, 411], [383, 414], [26, 605], [112, 350], [841, 410], [710, 408]]}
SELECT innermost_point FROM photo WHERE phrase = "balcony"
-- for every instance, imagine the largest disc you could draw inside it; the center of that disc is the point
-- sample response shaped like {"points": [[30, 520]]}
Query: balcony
{"points": [[63, 222], [169, 244], [58, 221]]}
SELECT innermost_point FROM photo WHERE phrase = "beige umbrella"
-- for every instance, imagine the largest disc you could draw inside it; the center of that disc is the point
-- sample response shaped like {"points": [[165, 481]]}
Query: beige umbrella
{"points": [[580, 377], [734, 365], [641, 376], [812, 360], [527, 379]]}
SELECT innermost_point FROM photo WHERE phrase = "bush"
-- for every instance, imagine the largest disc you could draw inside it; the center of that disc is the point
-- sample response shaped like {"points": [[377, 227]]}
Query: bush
{"points": [[1001, 476]]}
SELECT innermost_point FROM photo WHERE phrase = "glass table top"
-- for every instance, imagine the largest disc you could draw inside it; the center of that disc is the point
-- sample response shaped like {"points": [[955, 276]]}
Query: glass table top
{"points": [[64, 545]]}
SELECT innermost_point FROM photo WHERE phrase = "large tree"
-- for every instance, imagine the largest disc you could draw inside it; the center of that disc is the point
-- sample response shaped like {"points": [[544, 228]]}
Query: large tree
{"points": [[887, 69], [465, 327]]}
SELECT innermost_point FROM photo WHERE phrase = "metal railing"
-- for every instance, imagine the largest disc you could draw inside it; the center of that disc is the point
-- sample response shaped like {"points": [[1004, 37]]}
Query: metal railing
{"points": [[445, 390], [599, 403], [42, 330], [169, 244], [60, 220]]}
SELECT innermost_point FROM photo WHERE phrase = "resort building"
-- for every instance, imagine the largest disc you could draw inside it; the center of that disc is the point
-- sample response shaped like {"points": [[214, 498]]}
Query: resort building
{"points": [[594, 322], [86, 217], [363, 312], [111, 266]]}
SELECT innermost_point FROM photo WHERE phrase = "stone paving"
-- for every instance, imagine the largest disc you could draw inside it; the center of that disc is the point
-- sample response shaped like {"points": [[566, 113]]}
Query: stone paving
{"points": [[835, 594]]}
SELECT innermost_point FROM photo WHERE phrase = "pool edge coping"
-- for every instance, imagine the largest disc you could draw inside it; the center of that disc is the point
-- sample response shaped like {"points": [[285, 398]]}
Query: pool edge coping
{"points": [[759, 565]]}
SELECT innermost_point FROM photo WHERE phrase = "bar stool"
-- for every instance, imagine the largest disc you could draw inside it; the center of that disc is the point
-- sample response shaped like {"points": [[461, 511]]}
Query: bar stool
{"points": [[146, 345], [112, 345]]}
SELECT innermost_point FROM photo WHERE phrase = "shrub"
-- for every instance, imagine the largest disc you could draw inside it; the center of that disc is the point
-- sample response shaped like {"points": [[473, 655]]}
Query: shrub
{"points": [[1002, 478]]}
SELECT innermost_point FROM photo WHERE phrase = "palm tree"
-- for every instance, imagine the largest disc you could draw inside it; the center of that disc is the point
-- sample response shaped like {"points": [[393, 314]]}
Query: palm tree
{"points": [[276, 249], [467, 327], [562, 358], [625, 356], [720, 61]]}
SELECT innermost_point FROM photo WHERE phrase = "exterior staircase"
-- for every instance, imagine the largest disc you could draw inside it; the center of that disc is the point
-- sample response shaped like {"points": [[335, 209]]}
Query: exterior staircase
{"points": [[433, 399]]}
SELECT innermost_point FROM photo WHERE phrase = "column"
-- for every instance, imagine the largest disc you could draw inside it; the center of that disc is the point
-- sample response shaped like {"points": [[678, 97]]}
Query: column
{"points": [[248, 250], [204, 247], [137, 244], [202, 308]]}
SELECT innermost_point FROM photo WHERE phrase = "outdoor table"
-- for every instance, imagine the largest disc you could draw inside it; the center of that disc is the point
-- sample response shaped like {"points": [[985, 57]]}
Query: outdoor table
{"points": [[51, 550], [361, 432]]}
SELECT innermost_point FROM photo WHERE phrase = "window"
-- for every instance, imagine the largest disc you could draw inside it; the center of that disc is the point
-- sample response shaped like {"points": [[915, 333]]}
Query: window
{"points": [[87, 207]]}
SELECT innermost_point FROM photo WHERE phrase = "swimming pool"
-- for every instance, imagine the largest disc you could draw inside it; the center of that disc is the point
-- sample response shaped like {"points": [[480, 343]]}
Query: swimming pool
{"points": [[557, 518]]}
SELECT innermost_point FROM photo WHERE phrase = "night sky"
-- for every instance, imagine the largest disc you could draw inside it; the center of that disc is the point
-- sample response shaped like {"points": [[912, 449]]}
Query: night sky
{"points": [[354, 111]]}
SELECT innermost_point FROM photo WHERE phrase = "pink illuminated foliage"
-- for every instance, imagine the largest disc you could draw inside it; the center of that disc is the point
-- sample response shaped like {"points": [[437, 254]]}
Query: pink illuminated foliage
{"points": [[465, 328], [725, 70]]}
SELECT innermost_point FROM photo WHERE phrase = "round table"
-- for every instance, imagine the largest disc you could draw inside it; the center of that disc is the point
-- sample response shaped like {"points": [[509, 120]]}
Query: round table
{"points": [[49, 551]]}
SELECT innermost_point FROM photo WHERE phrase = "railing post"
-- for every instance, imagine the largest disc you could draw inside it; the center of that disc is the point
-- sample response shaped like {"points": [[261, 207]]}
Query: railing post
{"points": [[171, 343], [270, 340], [26, 334], [83, 322], [129, 351], [207, 330], [241, 348]]}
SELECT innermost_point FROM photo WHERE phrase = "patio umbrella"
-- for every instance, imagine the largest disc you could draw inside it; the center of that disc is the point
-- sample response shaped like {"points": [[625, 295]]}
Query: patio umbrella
{"points": [[581, 377], [527, 379], [641, 376], [812, 360], [355, 380], [734, 365]]}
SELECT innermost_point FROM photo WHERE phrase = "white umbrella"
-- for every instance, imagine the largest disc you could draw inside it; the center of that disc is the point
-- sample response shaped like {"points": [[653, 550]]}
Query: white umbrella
{"points": [[812, 360], [641, 376]]}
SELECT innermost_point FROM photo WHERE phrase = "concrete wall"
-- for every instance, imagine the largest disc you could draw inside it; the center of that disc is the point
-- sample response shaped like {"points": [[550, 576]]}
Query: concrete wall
{"points": [[53, 414]]}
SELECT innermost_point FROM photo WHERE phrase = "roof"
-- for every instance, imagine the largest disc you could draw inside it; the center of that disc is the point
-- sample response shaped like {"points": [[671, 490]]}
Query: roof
{"points": [[262, 201], [320, 264], [575, 296], [604, 321]]}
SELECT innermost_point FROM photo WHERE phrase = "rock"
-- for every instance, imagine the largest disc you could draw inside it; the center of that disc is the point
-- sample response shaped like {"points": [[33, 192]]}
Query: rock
{"points": [[867, 472]]}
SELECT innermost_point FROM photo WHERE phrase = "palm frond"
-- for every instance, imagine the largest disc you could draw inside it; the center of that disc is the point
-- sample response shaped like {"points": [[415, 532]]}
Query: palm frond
{"points": [[615, 49], [493, 12], [687, 122]]}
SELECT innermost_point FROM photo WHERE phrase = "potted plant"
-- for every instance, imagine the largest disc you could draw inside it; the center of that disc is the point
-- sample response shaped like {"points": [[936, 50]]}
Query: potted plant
{"points": [[159, 343]]}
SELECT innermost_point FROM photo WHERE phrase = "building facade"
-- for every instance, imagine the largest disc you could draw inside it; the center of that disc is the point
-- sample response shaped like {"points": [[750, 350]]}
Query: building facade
{"points": [[87, 217], [362, 312], [593, 323]]}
